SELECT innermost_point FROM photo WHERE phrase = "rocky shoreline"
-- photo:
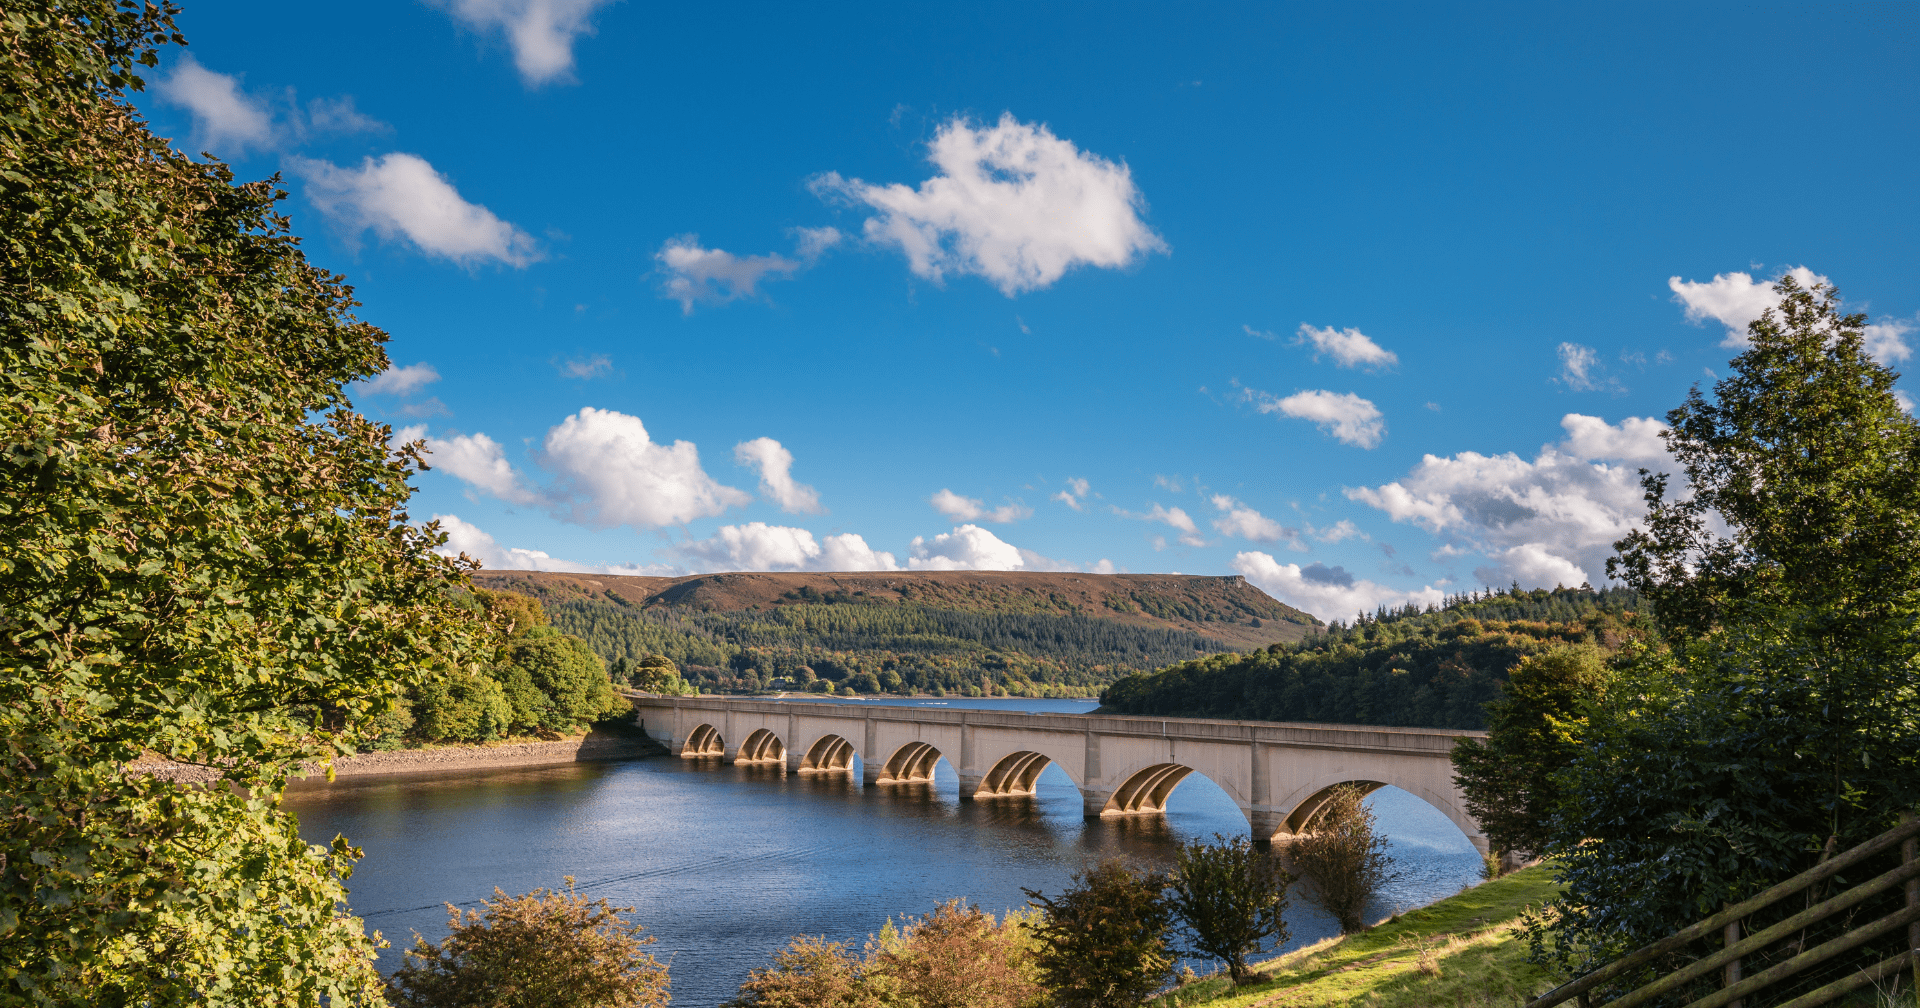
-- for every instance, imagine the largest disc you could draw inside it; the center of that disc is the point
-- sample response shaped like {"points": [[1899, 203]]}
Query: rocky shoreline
{"points": [[595, 745]]}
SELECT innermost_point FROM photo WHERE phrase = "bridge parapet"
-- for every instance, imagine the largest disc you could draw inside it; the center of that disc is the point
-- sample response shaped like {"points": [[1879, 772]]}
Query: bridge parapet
{"points": [[1277, 772]]}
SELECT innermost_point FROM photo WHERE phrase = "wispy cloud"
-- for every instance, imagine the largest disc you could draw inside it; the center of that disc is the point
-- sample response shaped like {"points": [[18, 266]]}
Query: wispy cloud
{"points": [[775, 465], [1344, 415], [1347, 347], [1239, 520], [595, 366], [232, 121], [540, 32], [1174, 518], [696, 274], [963, 509], [400, 196], [1075, 495], [1580, 370]]}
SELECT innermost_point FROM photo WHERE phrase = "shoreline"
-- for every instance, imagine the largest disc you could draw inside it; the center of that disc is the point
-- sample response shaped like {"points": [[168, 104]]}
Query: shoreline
{"points": [[593, 746]]}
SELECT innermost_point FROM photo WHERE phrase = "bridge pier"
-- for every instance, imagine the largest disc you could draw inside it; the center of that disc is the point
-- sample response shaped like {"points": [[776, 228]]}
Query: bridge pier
{"points": [[1094, 801], [969, 784], [1266, 823]]}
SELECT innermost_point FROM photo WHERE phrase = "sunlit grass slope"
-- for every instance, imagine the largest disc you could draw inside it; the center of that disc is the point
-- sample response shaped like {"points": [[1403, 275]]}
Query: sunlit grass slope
{"points": [[1469, 945]]}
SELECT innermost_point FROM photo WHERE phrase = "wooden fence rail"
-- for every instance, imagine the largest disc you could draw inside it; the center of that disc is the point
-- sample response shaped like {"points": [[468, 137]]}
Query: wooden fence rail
{"points": [[1736, 951]]}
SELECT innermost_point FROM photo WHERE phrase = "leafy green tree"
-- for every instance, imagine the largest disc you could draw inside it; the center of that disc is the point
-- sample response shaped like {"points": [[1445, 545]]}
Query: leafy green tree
{"points": [[1534, 731], [1342, 862], [203, 551], [1103, 942], [658, 674], [461, 706], [546, 949], [1229, 896], [1783, 721], [569, 682]]}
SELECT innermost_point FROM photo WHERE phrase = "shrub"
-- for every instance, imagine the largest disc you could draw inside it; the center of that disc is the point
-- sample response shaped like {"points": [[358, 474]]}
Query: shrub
{"points": [[809, 973], [1103, 942], [1341, 861], [546, 949], [958, 957], [1229, 895]]}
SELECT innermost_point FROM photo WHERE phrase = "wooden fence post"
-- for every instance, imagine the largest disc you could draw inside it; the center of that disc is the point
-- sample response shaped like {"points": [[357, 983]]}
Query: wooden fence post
{"points": [[1909, 850], [1729, 937]]}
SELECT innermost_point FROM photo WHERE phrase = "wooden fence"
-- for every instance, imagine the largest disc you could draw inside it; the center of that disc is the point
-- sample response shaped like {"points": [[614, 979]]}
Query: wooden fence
{"points": [[1787, 935]]}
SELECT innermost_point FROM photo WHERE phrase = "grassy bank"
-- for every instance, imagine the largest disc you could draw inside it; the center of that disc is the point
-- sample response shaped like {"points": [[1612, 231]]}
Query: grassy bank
{"points": [[1462, 952]]}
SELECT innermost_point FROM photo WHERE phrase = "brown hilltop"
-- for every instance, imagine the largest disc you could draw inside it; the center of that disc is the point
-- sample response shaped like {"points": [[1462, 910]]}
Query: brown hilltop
{"points": [[1223, 608]]}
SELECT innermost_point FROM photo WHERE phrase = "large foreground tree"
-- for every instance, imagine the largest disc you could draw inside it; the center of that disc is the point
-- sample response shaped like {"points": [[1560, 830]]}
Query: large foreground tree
{"points": [[1783, 720], [203, 551]]}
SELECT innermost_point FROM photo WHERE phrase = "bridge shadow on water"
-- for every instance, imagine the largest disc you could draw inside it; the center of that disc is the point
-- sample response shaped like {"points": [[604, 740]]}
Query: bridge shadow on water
{"points": [[725, 863]]}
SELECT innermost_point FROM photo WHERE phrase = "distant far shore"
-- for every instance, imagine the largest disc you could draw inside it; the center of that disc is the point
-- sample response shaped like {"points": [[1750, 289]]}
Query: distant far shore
{"points": [[594, 745]]}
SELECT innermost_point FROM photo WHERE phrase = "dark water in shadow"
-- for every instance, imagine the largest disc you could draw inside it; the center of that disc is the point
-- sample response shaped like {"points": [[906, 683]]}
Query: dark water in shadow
{"points": [[725, 863]]}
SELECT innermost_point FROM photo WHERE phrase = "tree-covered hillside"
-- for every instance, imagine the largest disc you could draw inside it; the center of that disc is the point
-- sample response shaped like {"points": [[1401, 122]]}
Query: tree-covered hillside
{"points": [[1016, 633], [1413, 667]]}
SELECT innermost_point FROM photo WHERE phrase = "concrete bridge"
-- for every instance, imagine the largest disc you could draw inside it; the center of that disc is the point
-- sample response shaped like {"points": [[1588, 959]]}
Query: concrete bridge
{"points": [[1278, 773]]}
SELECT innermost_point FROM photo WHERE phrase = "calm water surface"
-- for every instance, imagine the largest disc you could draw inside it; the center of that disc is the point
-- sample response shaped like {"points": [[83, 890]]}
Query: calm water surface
{"points": [[725, 863]]}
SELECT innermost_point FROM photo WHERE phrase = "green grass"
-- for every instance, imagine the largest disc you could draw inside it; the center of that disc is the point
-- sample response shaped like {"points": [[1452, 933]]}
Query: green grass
{"points": [[1475, 960]]}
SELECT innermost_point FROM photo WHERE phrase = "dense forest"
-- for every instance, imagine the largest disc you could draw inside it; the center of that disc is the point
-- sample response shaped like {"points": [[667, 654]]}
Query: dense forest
{"points": [[969, 632], [1434, 667], [873, 648]]}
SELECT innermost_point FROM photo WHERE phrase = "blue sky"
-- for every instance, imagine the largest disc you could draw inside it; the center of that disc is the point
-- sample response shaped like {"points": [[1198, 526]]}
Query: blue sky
{"points": [[1366, 302]]}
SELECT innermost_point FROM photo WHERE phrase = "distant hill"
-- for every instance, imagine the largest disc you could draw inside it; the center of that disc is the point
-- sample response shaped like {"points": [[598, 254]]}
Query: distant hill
{"points": [[1027, 633], [1431, 668]]}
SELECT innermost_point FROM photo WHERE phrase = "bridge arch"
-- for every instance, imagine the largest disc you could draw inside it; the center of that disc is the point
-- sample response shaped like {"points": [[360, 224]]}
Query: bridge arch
{"points": [[828, 753], [704, 740], [1014, 774], [1297, 811], [1146, 790], [762, 746], [913, 762]]}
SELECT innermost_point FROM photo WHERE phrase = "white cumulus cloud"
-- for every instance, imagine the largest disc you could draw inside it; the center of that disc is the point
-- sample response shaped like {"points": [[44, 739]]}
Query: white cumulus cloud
{"points": [[1347, 347], [1012, 203], [465, 537], [1331, 593], [1552, 519], [1736, 299], [541, 32], [482, 463], [967, 547], [611, 473], [696, 274], [1886, 341], [1243, 521], [775, 465], [1349, 418], [757, 546], [963, 509], [400, 196], [1733, 299]]}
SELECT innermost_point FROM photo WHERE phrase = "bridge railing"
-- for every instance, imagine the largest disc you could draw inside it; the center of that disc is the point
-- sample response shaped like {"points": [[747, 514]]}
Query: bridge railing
{"points": [[1897, 928]]}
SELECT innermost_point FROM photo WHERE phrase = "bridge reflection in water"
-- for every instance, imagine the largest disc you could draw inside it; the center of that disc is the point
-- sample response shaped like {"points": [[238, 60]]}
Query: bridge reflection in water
{"points": [[1278, 774]]}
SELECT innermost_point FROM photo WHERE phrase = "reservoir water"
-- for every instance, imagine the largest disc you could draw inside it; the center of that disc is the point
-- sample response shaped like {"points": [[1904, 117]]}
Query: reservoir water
{"points": [[724, 864]]}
